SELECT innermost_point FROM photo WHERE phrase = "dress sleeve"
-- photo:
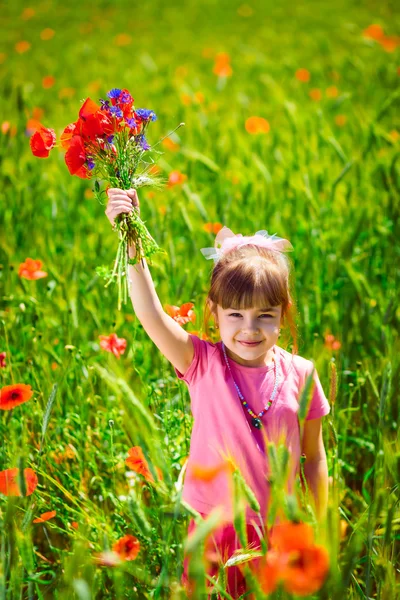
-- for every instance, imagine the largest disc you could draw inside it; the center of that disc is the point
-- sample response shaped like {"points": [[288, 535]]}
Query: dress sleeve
{"points": [[319, 405], [199, 363]]}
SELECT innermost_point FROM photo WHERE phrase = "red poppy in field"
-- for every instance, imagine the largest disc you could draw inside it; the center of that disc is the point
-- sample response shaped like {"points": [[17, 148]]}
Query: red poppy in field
{"points": [[13, 395], [28, 13], [305, 570], [294, 560], [181, 314], [170, 144], [315, 94], [22, 46], [47, 34], [373, 32], [176, 178], [68, 134], [32, 125], [154, 169], [287, 535], [2, 360], [46, 516], [42, 141], [113, 344], [9, 482], [390, 42], [331, 342], [212, 227], [255, 125], [88, 108], [138, 463], [127, 547], [48, 81], [222, 66], [303, 75], [31, 269], [75, 157]]}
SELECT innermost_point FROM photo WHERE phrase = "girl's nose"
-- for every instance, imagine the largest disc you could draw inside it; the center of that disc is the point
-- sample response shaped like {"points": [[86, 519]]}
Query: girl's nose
{"points": [[250, 327]]}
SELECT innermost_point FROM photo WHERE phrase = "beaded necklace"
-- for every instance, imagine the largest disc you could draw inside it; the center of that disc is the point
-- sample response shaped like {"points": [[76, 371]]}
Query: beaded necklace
{"points": [[256, 419]]}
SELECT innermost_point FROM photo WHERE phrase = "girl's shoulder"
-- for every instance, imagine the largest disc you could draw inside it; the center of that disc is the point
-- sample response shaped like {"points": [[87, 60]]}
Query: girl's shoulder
{"points": [[302, 366]]}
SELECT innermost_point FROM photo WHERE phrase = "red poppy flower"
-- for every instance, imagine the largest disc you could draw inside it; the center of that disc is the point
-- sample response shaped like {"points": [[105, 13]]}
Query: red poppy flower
{"points": [[212, 227], [182, 314], [170, 144], [255, 125], [13, 395], [113, 344], [293, 560], [31, 269], [88, 108], [331, 342], [32, 125], [2, 360], [68, 134], [42, 141], [127, 547], [75, 157], [138, 463], [305, 570], [373, 32], [9, 482], [176, 178], [303, 75], [222, 66], [45, 516]]}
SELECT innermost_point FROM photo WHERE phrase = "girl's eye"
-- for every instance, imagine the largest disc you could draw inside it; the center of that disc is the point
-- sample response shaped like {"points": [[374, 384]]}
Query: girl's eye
{"points": [[239, 315]]}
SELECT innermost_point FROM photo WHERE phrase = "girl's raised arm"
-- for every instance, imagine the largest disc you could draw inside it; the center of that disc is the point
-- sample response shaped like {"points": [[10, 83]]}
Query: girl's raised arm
{"points": [[169, 337]]}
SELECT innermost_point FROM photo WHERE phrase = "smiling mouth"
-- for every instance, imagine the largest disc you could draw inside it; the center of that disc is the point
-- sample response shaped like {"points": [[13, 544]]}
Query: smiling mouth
{"points": [[249, 343]]}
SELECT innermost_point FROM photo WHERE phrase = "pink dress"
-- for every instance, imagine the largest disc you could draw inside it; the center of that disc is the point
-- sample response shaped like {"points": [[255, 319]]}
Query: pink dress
{"points": [[222, 427]]}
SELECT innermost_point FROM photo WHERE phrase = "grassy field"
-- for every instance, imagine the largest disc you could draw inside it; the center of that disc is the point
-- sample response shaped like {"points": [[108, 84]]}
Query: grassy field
{"points": [[323, 172]]}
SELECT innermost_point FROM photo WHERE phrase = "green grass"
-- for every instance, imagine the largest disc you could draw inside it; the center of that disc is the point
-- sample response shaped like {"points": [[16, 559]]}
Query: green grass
{"points": [[333, 191]]}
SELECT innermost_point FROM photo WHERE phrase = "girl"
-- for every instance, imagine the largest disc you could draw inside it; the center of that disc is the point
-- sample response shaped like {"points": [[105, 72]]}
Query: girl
{"points": [[244, 389]]}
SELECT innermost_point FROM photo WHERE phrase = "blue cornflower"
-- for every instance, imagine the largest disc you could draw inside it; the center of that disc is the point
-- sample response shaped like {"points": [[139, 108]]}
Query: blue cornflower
{"points": [[114, 93], [104, 104], [131, 122], [90, 164], [110, 139], [125, 98], [117, 112], [146, 114], [143, 142]]}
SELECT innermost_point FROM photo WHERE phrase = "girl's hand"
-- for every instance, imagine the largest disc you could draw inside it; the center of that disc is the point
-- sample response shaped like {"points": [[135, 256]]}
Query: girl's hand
{"points": [[121, 201]]}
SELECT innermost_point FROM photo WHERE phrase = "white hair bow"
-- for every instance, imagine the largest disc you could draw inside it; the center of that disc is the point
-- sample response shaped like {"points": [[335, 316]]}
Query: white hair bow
{"points": [[226, 240]]}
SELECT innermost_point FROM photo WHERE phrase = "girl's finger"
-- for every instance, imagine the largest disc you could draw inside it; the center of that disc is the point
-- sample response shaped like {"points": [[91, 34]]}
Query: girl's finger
{"points": [[120, 200], [124, 207], [133, 194], [117, 193]]}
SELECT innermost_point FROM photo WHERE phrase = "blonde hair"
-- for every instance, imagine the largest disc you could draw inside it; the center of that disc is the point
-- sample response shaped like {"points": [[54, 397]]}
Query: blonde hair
{"points": [[251, 276]]}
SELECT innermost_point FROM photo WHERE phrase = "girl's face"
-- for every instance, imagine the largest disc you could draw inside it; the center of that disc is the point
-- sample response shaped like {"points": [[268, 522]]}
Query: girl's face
{"points": [[250, 334]]}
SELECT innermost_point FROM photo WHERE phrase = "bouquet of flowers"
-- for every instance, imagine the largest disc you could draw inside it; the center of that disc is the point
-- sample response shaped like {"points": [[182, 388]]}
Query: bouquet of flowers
{"points": [[108, 142]]}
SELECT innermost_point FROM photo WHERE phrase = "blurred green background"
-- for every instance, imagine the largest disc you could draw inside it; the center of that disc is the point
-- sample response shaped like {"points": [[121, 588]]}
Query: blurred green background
{"points": [[324, 174]]}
